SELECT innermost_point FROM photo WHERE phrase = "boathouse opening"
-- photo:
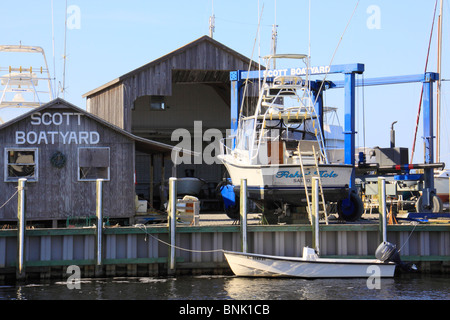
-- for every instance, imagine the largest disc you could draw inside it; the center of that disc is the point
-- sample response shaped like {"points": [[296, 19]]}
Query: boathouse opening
{"points": [[188, 90]]}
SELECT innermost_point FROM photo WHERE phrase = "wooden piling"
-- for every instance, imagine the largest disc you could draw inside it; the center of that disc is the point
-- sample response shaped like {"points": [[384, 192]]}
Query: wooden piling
{"points": [[382, 209], [99, 229], [243, 214], [315, 214], [21, 226], [172, 223]]}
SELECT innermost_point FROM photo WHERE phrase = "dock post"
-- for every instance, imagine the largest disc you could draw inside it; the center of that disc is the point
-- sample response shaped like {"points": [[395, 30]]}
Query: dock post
{"points": [[172, 223], [99, 230], [243, 213], [21, 226], [382, 209], [315, 214]]}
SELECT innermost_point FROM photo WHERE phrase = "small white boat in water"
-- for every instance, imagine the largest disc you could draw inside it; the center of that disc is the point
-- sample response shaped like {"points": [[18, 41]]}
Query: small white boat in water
{"points": [[310, 265]]}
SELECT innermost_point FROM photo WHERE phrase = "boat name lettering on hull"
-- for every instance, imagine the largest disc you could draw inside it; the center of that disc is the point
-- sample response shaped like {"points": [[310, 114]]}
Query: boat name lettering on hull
{"points": [[289, 175], [256, 258]]}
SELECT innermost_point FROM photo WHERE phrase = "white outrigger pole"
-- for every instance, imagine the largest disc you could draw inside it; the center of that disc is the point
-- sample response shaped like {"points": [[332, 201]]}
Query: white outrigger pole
{"points": [[24, 80]]}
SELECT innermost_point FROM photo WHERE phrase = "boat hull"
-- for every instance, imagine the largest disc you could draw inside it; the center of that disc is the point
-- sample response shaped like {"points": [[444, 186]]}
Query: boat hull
{"points": [[285, 183], [442, 185], [256, 265]]}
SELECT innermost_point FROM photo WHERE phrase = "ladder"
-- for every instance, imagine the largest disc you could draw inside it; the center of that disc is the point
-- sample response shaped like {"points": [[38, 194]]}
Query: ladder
{"points": [[309, 204], [318, 131]]}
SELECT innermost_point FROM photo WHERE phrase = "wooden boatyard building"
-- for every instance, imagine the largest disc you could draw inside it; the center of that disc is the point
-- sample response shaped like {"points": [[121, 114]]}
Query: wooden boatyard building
{"points": [[62, 150], [187, 89]]}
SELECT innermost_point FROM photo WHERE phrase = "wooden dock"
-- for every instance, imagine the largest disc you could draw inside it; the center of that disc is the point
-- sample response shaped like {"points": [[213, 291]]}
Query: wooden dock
{"points": [[175, 248], [144, 250]]}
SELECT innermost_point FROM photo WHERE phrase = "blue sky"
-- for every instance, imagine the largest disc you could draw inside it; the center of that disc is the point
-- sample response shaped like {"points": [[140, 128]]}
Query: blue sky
{"points": [[110, 38]]}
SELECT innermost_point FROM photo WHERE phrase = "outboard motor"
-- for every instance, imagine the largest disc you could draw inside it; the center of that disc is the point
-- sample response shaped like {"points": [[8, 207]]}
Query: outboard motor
{"points": [[387, 251]]}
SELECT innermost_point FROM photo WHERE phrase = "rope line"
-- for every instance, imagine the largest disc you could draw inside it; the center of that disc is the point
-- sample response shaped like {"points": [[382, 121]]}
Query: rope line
{"points": [[9, 199], [421, 93], [171, 245], [410, 234]]}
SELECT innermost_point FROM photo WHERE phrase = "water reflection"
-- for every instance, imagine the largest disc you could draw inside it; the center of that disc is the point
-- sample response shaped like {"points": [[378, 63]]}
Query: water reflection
{"points": [[300, 289], [232, 288]]}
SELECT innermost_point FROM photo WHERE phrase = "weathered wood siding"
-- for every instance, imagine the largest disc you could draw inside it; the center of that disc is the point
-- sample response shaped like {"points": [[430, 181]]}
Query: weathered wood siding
{"points": [[58, 194], [156, 78], [108, 105]]}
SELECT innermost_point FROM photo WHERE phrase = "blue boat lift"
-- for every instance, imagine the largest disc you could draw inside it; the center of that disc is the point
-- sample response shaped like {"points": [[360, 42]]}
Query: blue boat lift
{"points": [[349, 84]]}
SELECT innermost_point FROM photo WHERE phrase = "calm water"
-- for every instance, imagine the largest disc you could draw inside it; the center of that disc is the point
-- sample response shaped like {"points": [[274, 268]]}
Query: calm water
{"points": [[405, 287]]}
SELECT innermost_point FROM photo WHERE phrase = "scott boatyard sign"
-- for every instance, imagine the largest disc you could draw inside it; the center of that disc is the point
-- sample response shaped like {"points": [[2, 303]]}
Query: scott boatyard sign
{"points": [[57, 120], [296, 71]]}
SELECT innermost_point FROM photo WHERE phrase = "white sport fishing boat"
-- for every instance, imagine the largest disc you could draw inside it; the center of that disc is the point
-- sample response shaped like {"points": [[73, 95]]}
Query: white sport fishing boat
{"points": [[281, 146], [27, 83]]}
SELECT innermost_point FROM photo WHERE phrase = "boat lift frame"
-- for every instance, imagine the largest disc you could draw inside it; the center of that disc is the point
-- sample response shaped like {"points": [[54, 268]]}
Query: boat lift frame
{"points": [[349, 84]]}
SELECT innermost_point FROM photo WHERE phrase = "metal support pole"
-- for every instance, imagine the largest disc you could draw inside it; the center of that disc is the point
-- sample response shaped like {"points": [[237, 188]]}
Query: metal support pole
{"points": [[428, 136], [318, 98], [172, 223], [349, 124], [382, 208], [315, 214], [21, 220], [235, 102], [99, 214], [243, 212]]}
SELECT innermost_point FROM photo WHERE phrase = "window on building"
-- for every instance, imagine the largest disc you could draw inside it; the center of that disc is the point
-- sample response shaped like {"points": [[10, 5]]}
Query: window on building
{"points": [[21, 163], [157, 103], [93, 164], [152, 103]]}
